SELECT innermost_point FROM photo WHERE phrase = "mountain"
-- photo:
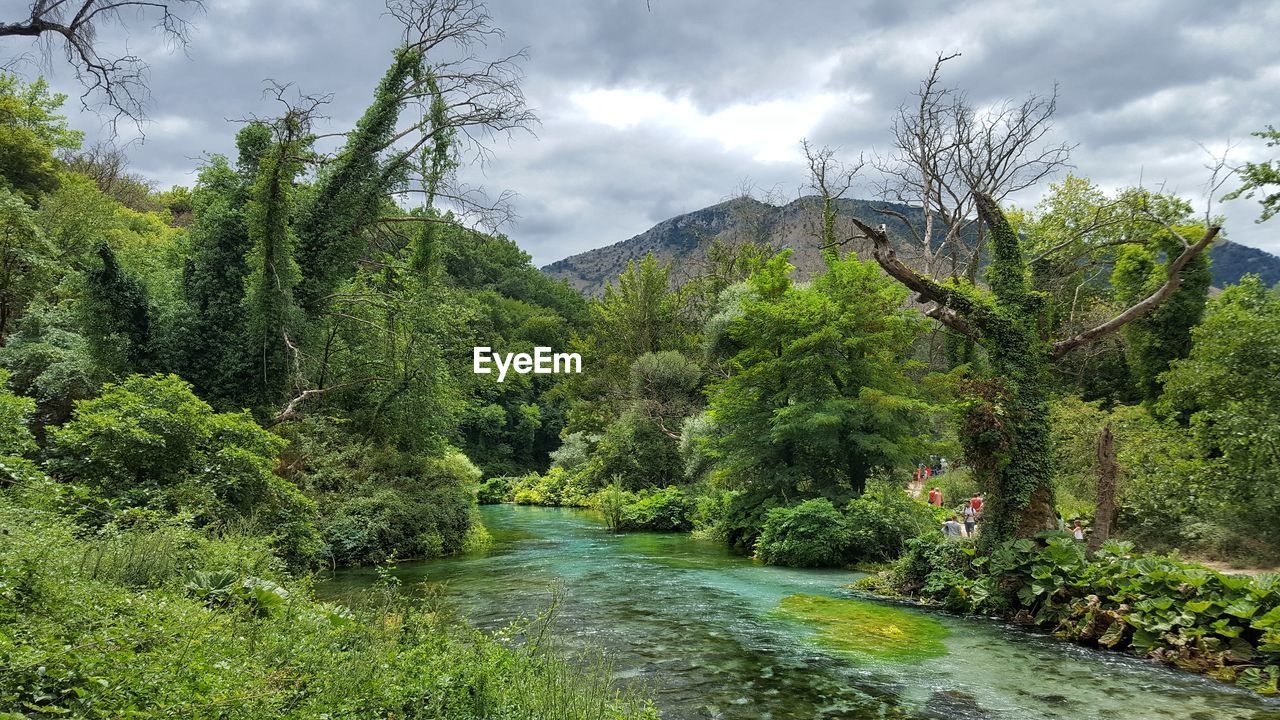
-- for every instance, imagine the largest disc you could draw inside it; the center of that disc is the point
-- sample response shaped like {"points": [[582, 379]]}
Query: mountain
{"points": [[1231, 261], [681, 240]]}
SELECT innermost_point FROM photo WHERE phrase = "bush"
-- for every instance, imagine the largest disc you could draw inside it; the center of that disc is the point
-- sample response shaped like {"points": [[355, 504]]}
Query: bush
{"points": [[15, 437], [212, 637], [811, 534], [667, 510], [882, 519], [611, 502], [557, 488], [494, 490], [377, 502], [1176, 612], [149, 442]]}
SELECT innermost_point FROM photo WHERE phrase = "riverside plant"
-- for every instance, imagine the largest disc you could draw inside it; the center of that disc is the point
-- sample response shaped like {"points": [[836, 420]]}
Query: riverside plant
{"points": [[1182, 614]]}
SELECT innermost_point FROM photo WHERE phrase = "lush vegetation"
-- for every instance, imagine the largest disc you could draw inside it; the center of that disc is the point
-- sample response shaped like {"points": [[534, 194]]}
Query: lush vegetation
{"points": [[208, 392], [1176, 612], [155, 617]]}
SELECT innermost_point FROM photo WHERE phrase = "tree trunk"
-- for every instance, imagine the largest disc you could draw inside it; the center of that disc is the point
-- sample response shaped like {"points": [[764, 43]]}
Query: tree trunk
{"points": [[1016, 448], [1108, 471]]}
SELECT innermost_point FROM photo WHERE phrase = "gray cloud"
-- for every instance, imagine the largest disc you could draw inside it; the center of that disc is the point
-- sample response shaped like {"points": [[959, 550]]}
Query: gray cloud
{"points": [[1141, 84]]}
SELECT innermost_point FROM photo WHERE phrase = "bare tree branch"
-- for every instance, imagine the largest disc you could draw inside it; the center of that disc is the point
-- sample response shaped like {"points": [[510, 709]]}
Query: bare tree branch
{"points": [[120, 79], [951, 308], [290, 411], [1146, 305]]}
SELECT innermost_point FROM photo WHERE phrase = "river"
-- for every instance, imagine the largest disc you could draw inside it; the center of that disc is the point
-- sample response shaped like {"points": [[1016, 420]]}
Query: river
{"points": [[712, 635]]}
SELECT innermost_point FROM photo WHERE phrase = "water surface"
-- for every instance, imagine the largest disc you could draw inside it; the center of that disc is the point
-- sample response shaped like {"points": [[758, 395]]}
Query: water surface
{"points": [[702, 630]]}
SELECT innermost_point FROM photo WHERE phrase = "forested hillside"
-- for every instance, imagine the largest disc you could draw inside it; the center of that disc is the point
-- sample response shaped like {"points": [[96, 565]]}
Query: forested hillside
{"points": [[683, 239]]}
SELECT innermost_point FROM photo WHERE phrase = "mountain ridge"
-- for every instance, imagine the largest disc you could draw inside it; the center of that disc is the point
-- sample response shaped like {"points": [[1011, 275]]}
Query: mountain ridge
{"points": [[680, 240]]}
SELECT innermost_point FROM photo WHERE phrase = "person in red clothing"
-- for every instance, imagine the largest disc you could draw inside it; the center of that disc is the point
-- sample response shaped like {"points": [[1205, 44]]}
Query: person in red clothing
{"points": [[935, 497], [975, 502]]}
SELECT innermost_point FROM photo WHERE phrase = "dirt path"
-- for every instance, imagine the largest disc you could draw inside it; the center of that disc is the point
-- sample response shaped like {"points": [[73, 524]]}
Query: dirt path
{"points": [[1228, 569]]}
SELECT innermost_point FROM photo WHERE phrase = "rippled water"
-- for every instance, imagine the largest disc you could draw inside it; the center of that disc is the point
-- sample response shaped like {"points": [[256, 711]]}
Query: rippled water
{"points": [[700, 629]]}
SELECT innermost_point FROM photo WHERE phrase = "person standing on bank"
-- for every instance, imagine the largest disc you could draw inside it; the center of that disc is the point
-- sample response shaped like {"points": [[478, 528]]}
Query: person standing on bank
{"points": [[935, 497], [970, 519]]}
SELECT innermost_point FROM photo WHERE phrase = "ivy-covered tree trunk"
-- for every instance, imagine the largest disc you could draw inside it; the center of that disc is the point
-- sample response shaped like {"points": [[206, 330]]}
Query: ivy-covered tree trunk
{"points": [[1011, 449]]}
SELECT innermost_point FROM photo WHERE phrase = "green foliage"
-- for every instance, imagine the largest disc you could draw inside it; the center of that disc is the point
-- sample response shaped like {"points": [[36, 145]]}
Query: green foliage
{"points": [[375, 502], [881, 521], [351, 189], [1179, 613], [811, 534], [218, 362], [635, 453], [25, 259], [1164, 335], [212, 627], [816, 398], [1263, 176], [273, 318], [1227, 389], [669, 509], [50, 362], [149, 442], [30, 133], [116, 317], [15, 412]]}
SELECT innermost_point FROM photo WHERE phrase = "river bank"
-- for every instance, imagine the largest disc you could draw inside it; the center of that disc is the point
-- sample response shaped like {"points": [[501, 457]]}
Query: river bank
{"points": [[709, 634]]}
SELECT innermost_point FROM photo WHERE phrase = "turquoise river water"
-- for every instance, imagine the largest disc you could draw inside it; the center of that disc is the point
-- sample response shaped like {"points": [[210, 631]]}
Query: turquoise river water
{"points": [[699, 629]]}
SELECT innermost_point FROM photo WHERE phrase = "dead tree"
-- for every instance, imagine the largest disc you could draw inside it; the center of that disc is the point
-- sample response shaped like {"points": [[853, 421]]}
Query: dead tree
{"points": [[1108, 472], [118, 78], [944, 151]]}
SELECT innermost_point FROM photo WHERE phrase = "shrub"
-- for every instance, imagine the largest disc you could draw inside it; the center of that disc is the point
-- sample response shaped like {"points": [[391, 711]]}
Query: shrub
{"points": [[216, 640], [557, 488], [611, 502], [15, 437], [1176, 612], [667, 510], [377, 502], [149, 442], [881, 520], [494, 490], [811, 534]]}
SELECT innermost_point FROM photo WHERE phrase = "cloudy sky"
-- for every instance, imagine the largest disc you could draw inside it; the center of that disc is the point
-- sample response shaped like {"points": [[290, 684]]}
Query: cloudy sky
{"points": [[648, 110]]}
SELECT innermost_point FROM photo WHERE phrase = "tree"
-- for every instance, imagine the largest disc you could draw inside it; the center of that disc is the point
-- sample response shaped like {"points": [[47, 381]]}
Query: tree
{"points": [[1258, 177], [120, 78], [31, 132], [816, 399], [1078, 234], [116, 317], [1227, 390], [273, 317], [1007, 429], [830, 179], [218, 361], [944, 149], [25, 259]]}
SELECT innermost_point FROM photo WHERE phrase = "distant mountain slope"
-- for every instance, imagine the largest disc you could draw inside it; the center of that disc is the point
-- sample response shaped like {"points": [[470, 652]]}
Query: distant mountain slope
{"points": [[1231, 261], [680, 240]]}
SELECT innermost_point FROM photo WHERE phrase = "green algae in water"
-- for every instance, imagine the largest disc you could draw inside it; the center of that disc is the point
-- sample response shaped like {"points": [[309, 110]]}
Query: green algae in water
{"points": [[878, 631]]}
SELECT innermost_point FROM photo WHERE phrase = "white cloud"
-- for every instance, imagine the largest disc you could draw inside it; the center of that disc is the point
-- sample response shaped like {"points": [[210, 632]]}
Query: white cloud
{"points": [[769, 131]]}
